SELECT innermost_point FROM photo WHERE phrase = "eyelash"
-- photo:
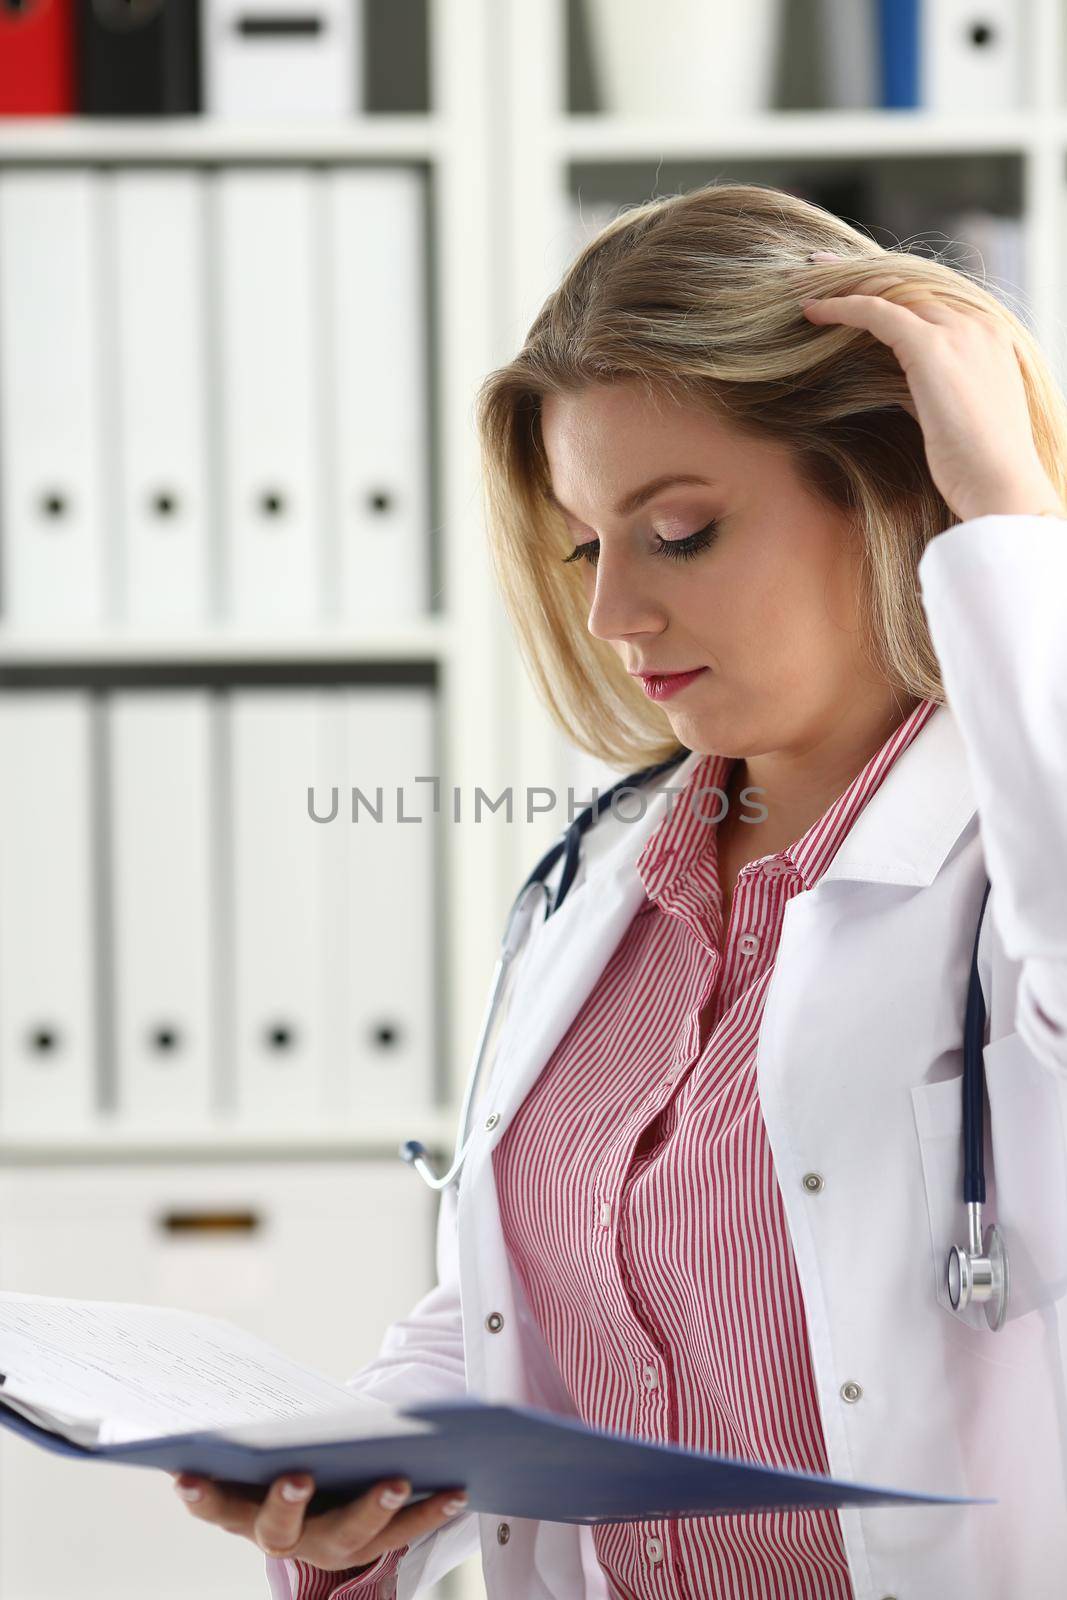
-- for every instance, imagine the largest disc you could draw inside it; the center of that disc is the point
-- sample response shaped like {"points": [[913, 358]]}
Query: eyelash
{"points": [[674, 549]]}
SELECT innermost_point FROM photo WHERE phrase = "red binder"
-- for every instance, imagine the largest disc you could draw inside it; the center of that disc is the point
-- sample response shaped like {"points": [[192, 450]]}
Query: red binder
{"points": [[36, 57]]}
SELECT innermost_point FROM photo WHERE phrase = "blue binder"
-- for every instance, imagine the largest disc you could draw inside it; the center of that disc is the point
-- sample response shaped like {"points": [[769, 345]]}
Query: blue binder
{"points": [[513, 1461], [899, 34]]}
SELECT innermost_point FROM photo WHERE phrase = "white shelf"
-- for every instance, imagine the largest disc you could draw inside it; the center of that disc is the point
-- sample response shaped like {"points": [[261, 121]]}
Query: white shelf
{"points": [[433, 640], [791, 134], [376, 136], [377, 1134], [429, 137]]}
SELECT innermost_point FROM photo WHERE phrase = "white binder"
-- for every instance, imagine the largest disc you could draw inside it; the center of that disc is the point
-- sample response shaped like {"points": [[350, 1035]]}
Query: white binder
{"points": [[48, 1008], [160, 324], [286, 887], [268, 336], [52, 409], [389, 988], [163, 864], [269, 58], [378, 369], [971, 56]]}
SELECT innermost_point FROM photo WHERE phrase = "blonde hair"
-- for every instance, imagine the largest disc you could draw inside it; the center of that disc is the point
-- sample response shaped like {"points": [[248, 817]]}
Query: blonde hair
{"points": [[694, 296]]}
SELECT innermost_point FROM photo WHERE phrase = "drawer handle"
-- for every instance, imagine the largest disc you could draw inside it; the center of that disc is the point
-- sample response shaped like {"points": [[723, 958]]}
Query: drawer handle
{"points": [[209, 1221]]}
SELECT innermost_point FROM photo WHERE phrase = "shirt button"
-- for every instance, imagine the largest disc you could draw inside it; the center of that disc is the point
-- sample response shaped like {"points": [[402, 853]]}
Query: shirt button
{"points": [[605, 1213], [748, 944], [654, 1549], [494, 1322], [813, 1182], [651, 1377], [850, 1391], [503, 1532]]}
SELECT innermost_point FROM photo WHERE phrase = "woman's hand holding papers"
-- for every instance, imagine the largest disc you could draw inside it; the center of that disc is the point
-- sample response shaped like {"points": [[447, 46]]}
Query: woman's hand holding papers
{"points": [[353, 1535]]}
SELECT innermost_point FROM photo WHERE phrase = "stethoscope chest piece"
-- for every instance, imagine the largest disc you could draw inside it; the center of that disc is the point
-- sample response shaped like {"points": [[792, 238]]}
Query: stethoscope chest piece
{"points": [[980, 1275]]}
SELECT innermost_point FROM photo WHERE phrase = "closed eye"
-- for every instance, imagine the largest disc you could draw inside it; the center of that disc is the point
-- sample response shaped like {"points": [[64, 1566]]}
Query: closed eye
{"points": [[673, 549]]}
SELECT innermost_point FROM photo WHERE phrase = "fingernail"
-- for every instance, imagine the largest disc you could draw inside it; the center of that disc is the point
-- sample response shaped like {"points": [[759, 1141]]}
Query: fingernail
{"points": [[295, 1491], [189, 1491], [393, 1499], [824, 255], [450, 1507]]}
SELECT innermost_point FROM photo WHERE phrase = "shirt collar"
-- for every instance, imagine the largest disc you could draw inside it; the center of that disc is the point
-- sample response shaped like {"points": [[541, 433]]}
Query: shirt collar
{"points": [[895, 822]]}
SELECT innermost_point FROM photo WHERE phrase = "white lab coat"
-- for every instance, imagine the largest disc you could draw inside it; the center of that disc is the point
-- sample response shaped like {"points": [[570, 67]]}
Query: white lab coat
{"points": [[859, 1063]]}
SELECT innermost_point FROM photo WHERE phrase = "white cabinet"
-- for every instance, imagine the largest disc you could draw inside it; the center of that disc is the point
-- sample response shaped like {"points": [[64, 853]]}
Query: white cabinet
{"points": [[318, 1257]]}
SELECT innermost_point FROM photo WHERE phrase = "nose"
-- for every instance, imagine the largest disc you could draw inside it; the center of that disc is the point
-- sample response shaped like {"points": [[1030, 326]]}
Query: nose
{"points": [[623, 601]]}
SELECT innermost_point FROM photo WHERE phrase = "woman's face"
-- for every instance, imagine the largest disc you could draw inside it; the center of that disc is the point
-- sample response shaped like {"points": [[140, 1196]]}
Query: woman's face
{"points": [[767, 601]]}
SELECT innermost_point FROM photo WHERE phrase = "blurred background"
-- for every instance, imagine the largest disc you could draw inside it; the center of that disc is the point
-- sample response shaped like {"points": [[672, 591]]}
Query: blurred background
{"points": [[255, 259]]}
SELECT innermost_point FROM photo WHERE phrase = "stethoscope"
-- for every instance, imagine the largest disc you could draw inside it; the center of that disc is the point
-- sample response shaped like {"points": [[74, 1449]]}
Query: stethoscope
{"points": [[533, 892], [977, 1273]]}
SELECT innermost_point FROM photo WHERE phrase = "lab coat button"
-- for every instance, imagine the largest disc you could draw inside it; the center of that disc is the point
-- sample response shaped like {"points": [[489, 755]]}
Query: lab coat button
{"points": [[850, 1391], [503, 1532], [748, 944], [494, 1322], [654, 1549], [813, 1182], [491, 1122]]}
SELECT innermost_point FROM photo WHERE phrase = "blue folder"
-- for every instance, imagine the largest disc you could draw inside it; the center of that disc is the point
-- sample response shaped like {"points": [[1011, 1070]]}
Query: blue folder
{"points": [[513, 1461]]}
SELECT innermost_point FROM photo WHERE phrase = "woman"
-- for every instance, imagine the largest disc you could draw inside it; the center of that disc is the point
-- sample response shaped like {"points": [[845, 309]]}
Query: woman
{"points": [[713, 1199]]}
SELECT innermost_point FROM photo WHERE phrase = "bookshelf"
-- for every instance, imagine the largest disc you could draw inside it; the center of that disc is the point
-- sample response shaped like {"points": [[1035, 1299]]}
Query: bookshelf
{"points": [[461, 640]]}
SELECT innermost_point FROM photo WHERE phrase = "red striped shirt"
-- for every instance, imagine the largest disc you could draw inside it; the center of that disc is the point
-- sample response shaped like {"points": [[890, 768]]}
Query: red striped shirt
{"points": [[316, 1583], [642, 1212]]}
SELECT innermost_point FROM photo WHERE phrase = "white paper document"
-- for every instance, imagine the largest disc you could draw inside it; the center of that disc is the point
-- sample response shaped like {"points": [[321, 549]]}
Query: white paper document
{"points": [[111, 1371]]}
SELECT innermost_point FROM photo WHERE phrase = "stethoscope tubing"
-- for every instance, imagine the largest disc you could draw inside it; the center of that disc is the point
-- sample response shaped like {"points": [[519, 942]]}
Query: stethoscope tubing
{"points": [[974, 1080], [519, 918]]}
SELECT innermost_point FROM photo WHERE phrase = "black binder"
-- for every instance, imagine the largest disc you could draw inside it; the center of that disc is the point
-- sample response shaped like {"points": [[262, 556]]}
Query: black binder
{"points": [[138, 58]]}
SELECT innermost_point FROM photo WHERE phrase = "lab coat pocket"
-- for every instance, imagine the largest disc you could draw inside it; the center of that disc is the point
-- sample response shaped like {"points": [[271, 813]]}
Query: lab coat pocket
{"points": [[1026, 1174], [938, 1109], [1028, 1129]]}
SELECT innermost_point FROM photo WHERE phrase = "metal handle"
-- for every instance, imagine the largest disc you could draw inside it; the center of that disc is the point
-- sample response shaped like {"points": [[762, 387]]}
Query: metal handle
{"points": [[238, 1221]]}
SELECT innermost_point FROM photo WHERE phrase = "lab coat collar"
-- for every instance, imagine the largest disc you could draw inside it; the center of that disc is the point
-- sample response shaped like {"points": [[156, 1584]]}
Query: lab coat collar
{"points": [[913, 819], [902, 836]]}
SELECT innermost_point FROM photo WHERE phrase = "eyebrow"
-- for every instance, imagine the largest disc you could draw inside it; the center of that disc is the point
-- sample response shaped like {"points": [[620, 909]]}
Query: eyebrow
{"points": [[637, 497]]}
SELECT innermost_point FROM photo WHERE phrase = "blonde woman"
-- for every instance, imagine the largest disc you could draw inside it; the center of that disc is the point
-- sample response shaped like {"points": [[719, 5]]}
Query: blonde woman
{"points": [[812, 559]]}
